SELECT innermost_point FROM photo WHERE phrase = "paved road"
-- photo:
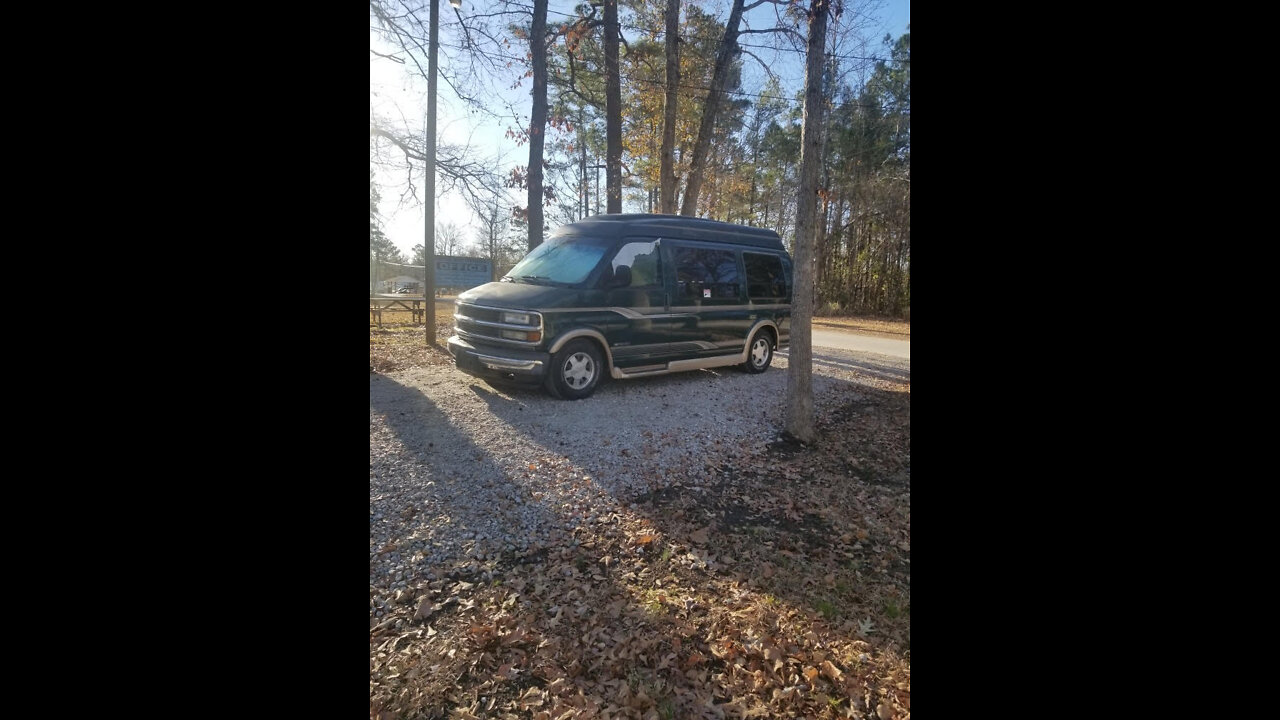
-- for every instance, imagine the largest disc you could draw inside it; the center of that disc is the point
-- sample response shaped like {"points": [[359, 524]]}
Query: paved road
{"points": [[861, 343]]}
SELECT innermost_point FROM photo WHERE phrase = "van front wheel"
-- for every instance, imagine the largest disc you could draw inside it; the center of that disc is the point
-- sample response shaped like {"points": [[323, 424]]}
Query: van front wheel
{"points": [[575, 370], [760, 354]]}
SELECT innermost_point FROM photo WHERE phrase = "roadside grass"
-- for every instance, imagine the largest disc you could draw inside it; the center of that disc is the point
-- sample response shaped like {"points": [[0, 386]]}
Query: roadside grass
{"points": [[882, 327]]}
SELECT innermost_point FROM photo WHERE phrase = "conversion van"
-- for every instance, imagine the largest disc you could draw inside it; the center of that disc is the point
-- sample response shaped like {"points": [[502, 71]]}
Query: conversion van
{"points": [[629, 296]]}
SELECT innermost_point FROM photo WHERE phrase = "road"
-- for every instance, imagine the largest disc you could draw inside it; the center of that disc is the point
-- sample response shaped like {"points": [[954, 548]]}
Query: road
{"points": [[861, 343]]}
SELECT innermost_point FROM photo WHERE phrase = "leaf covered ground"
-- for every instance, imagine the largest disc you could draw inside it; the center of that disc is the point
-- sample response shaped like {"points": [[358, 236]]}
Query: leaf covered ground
{"points": [[773, 584]]}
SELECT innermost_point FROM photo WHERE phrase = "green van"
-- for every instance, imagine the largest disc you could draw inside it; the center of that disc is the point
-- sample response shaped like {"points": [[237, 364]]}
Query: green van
{"points": [[629, 296]]}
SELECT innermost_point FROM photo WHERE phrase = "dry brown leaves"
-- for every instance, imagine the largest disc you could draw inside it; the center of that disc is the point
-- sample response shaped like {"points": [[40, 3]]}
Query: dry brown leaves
{"points": [[403, 345], [776, 587]]}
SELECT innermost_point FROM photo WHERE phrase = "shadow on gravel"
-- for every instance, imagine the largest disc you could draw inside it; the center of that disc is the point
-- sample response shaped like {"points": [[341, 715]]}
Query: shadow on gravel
{"points": [[648, 612], [440, 465], [791, 496]]}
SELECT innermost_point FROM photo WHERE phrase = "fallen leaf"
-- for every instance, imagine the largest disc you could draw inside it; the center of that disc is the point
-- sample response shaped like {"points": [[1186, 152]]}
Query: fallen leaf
{"points": [[884, 711], [831, 671], [425, 608], [811, 674], [699, 537], [694, 658]]}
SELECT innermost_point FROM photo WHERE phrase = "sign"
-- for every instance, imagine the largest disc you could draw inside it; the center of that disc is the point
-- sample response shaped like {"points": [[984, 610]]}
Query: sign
{"points": [[461, 272]]}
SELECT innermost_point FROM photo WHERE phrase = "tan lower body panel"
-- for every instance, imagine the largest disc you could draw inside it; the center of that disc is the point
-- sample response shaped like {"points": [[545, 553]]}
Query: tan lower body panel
{"points": [[678, 366]]}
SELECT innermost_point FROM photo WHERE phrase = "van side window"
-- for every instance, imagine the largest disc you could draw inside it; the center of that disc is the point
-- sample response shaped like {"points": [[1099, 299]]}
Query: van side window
{"points": [[764, 276], [706, 273], [642, 258]]}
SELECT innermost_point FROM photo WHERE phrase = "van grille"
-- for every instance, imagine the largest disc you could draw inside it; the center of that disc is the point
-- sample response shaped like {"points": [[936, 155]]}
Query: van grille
{"points": [[478, 322]]}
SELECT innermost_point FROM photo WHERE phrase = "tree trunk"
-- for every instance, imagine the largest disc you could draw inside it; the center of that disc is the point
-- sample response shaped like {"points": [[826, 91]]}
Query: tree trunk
{"points": [[667, 201], [702, 147], [800, 361], [613, 110], [537, 119]]}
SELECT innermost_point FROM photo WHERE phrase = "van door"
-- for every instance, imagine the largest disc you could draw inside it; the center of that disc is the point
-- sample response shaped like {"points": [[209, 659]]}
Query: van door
{"points": [[708, 294], [642, 333]]}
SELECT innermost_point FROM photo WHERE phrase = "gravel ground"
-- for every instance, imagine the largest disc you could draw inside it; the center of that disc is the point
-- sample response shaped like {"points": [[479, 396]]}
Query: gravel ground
{"points": [[465, 479]]}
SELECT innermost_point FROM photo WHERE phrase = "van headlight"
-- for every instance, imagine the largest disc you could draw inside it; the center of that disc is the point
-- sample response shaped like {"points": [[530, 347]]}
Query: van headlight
{"points": [[516, 318]]}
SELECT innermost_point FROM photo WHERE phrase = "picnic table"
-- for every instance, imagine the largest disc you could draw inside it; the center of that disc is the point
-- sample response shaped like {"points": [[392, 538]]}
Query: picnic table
{"points": [[412, 303]]}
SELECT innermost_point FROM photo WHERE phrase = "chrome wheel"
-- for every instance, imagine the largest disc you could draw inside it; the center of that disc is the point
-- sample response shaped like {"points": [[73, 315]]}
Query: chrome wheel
{"points": [[575, 370], [760, 355], [579, 370], [760, 352]]}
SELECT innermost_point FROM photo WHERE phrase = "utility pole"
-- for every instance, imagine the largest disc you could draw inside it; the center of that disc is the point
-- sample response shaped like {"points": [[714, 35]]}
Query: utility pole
{"points": [[597, 168], [429, 292], [585, 195]]}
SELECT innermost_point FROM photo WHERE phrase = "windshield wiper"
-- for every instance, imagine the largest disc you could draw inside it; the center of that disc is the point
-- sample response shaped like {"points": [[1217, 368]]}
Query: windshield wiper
{"points": [[537, 279]]}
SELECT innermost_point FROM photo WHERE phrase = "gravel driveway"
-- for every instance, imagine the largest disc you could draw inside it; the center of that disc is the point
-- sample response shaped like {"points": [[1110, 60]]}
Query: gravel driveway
{"points": [[465, 478]]}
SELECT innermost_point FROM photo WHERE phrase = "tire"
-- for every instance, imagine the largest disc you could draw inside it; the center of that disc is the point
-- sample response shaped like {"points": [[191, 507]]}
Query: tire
{"points": [[575, 371], [760, 354]]}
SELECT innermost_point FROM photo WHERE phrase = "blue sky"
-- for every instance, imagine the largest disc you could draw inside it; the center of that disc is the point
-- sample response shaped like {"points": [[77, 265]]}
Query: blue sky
{"points": [[394, 93]]}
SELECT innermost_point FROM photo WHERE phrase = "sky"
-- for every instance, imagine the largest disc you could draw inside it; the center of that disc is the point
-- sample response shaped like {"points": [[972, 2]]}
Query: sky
{"points": [[395, 92]]}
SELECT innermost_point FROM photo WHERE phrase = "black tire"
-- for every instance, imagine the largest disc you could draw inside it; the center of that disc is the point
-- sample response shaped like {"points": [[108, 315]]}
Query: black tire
{"points": [[575, 371], [759, 353]]}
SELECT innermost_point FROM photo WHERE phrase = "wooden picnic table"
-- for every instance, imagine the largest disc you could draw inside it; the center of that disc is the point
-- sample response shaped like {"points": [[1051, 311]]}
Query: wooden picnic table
{"points": [[412, 303]]}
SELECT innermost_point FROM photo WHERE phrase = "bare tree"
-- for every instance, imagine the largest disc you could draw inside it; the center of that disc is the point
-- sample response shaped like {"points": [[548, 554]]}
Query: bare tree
{"points": [[448, 238], [457, 165], [494, 211], [667, 183], [481, 45], [799, 422]]}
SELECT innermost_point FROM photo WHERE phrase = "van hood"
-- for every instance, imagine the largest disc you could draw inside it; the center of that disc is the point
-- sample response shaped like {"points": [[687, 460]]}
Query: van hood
{"points": [[521, 296]]}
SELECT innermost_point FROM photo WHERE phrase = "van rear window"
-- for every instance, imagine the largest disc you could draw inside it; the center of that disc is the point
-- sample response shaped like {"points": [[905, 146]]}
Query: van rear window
{"points": [[764, 276]]}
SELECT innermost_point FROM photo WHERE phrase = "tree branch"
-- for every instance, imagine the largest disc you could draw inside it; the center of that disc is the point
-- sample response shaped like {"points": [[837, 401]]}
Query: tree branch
{"points": [[764, 65], [573, 86], [392, 58]]}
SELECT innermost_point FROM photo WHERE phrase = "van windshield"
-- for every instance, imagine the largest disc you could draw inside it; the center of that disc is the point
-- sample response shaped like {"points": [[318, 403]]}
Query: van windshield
{"points": [[564, 260]]}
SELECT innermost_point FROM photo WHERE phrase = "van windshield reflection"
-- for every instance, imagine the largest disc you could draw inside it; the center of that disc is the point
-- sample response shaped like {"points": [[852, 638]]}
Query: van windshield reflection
{"points": [[565, 260]]}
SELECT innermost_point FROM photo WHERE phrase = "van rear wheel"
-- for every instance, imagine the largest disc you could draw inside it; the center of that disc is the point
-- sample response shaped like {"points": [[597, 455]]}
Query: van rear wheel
{"points": [[760, 354], [575, 370]]}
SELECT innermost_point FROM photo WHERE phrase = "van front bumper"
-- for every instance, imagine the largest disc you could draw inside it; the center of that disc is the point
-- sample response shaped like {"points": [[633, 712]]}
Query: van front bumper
{"points": [[498, 363]]}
